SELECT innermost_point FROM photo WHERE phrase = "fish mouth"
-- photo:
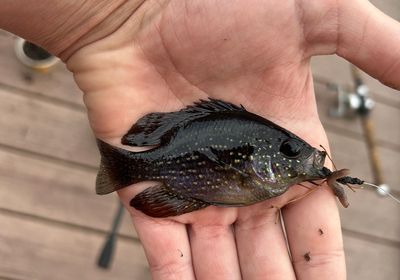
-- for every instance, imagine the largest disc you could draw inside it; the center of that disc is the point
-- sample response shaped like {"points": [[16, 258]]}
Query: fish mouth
{"points": [[315, 164]]}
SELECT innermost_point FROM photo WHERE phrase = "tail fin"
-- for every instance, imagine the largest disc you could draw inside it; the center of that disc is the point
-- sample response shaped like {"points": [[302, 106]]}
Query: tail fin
{"points": [[117, 168]]}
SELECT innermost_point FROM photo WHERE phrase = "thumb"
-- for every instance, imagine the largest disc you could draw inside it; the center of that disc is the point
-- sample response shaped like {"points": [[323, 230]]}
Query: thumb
{"points": [[371, 40]]}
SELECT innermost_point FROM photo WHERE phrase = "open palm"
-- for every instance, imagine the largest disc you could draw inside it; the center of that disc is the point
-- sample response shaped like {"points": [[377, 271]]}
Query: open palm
{"points": [[256, 53]]}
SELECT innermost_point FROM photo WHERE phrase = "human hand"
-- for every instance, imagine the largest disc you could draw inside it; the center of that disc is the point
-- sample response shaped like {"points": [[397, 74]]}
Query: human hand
{"points": [[168, 54]]}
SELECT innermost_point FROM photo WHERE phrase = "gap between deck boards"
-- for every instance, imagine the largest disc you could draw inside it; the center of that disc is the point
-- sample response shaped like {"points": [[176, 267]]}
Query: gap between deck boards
{"points": [[12, 89], [51, 159], [10, 278]]}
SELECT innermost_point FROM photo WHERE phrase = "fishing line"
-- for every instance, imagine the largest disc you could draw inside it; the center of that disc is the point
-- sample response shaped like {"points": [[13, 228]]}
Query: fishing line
{"points": [[382, 190]]}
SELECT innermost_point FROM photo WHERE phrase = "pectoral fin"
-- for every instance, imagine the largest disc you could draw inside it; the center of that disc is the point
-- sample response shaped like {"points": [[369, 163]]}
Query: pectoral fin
{"points": [[212, 155], [159, 202]]}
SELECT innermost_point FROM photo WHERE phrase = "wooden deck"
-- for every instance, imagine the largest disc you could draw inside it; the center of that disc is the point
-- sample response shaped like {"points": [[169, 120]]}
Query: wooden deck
{"points": [[52, 225]]}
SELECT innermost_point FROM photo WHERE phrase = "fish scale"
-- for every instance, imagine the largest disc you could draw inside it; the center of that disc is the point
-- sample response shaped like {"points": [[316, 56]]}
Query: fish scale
{"points": [[211, 153]]}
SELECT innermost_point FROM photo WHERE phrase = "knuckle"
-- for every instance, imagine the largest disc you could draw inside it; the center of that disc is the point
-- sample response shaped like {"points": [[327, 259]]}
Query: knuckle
{"points": [[215, 231], [170, 269], [317, 260], [259, 220]]}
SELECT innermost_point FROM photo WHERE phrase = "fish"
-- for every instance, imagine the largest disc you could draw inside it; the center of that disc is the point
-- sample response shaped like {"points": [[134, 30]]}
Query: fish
{"points": [[210, 153]]}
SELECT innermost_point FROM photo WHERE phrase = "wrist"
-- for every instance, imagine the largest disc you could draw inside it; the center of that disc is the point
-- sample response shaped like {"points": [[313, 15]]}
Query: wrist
{"points": [[63, 27], [105, 24]]}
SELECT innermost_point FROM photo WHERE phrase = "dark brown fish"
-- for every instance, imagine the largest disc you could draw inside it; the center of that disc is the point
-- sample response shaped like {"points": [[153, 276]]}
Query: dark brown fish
{"points": [[211, 153]]}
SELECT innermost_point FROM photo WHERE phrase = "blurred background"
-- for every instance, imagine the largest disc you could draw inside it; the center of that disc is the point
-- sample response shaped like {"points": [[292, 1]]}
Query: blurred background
{"points": [[53, 226]]}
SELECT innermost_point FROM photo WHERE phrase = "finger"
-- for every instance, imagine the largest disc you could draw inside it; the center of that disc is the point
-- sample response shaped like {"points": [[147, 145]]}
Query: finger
{"points": [[167, 248], [213, 247], [314, 236], [371, 40], [261, 244], [165, 242]]}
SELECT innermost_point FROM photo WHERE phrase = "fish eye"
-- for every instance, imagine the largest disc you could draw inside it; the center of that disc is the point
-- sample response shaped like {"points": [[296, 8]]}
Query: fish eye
{"points": [[291, 148]]}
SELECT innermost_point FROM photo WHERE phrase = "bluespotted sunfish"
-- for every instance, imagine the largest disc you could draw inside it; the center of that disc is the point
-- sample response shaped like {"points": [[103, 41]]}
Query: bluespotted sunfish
{"points": [[210, 153]]}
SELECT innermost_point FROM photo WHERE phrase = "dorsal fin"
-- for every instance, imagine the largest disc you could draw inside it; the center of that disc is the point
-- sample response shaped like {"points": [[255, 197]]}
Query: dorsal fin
{"points": [[157, 128]]}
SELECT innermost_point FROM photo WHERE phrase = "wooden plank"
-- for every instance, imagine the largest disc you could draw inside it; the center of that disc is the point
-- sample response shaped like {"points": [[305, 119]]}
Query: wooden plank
{"points": [[57, 84], [337, 70], [371, 261], [49, 252], [40, 251], [8, 278], [61, 133], [372, 214], [385, 119], [55, 192], [389, 7], [46, 128]]}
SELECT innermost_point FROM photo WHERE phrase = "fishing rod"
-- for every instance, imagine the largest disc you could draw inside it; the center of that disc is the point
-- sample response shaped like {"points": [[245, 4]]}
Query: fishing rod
{"points": [[366, 105], [358, 103], [107, 252]]}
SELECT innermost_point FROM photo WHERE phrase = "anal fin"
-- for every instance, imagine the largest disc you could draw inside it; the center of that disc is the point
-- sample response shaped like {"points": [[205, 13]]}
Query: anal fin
{"points": [[159, 202]]}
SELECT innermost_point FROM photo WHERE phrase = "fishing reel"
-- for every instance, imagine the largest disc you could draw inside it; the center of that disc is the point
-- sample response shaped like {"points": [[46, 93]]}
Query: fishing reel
{"points": [[357, 103], [351, 104]]}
